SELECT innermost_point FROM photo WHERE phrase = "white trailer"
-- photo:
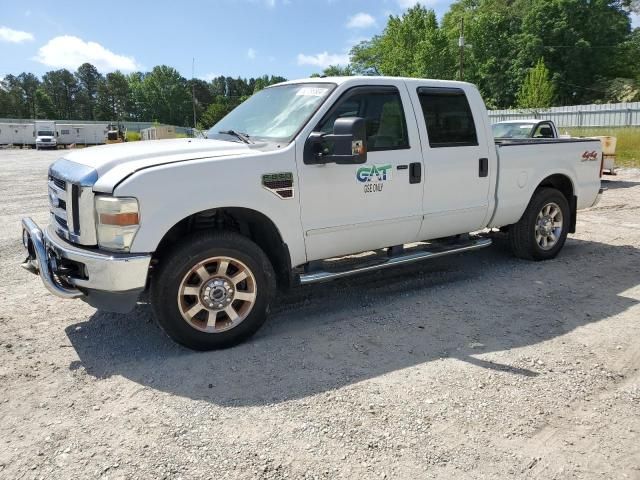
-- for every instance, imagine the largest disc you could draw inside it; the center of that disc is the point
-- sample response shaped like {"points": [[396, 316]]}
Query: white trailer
{"points": [[159, 132], [83, 133], [17, 134]]}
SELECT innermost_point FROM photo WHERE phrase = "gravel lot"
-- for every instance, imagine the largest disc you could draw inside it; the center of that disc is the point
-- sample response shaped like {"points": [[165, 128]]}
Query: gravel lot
{"points": [[473, 366]]}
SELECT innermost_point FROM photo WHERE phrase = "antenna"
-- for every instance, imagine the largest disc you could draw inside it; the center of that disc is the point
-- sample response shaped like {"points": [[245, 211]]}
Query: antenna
{"points": [[461, 45], [193, 90]]}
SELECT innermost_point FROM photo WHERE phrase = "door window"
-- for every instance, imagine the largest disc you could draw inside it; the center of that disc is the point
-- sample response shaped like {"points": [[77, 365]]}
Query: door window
{"points": [[383, 114], [543, 130], [448, 117]]}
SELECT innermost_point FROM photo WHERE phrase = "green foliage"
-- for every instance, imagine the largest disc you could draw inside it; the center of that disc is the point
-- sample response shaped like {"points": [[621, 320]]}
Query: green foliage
{"points": [[133, 136], [491, 35], [588, 47], [113, 97], [585, 45], [216, 111], [162, 95], [89, 80], [537, 90], [412, 45], [335, 71], [61, 86]]}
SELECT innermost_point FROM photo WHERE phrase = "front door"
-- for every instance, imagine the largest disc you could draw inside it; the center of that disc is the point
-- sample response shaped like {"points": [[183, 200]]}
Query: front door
{"points": [[353, 208]]}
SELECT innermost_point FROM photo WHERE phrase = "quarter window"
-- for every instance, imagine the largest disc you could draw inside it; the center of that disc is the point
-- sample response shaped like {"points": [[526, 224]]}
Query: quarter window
{"points": [[448, 117], [383, 114]]}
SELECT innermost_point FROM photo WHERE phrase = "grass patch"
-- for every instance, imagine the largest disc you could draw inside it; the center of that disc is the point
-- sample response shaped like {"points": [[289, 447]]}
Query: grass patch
{"points": [[628, 145], [133, 136]]}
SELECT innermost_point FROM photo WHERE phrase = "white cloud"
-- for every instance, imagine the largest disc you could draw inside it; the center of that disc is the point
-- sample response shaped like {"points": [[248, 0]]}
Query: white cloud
{"points": [[14, 36], [251, 54], [361, 20], [207, 77], [70, 52], [323, 59], [635, 20]]}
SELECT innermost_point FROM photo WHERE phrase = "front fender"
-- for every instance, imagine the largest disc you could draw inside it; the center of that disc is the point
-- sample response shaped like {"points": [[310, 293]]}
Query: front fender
{"points": [[170, 193]]}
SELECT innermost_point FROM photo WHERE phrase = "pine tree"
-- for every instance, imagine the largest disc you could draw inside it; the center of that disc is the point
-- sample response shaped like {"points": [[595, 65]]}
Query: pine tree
{"points": [[537, 90]]}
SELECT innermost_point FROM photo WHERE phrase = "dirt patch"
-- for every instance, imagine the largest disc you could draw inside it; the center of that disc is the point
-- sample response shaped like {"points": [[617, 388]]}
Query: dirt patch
{"points": [[474, 366]]}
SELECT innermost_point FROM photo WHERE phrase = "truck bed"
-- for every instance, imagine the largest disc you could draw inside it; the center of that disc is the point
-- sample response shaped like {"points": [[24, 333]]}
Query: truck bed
{"points": [[524, 163]]}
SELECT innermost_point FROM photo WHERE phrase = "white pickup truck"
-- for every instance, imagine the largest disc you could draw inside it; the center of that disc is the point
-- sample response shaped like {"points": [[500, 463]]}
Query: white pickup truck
{"points": [[525, 128], [300, 174]]}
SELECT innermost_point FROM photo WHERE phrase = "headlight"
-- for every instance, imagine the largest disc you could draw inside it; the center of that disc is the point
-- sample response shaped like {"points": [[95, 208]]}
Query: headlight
{"points": [[117, 222]]}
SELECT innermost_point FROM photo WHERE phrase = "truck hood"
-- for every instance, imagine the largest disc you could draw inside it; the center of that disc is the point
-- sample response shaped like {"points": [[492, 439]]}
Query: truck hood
{"points": [[112, 163]]}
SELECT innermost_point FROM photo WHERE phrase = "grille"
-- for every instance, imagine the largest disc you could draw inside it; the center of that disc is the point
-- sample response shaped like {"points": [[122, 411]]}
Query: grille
{"points": [[71, 201], [279, 183], [58, 183], [58, 203]]}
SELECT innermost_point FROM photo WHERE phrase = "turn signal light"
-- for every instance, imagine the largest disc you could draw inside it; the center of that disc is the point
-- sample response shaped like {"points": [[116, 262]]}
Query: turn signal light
{"points": [[120, 219]]}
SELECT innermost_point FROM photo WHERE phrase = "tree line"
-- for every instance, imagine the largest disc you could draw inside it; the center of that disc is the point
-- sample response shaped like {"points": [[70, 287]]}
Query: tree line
{"points": [[161, 95], [520, 53]]}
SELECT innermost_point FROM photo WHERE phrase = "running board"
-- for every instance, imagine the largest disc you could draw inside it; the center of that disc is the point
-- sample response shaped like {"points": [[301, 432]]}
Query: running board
{"points": [[320, 276]]}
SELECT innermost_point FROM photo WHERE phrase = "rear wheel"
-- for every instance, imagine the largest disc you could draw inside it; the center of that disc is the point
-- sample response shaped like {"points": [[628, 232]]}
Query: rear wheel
{"points": [[213, 291], [542, 231]]}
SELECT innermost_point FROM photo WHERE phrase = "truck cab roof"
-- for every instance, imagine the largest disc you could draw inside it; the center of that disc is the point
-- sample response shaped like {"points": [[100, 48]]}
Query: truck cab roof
{"points": [[363, 79]]}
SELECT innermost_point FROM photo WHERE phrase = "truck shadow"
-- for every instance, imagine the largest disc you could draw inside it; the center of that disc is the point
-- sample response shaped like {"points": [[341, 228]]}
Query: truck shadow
{"points": [[325, 337], [611, 184]]}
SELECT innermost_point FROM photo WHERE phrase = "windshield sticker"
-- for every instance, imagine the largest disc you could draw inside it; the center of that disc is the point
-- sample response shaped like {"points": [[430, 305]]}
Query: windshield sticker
{"points": [[311, 92], [373, 177]]}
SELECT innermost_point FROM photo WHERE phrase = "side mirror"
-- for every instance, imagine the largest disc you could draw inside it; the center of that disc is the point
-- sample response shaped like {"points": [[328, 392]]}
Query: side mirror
{"points": [[345, 146]]}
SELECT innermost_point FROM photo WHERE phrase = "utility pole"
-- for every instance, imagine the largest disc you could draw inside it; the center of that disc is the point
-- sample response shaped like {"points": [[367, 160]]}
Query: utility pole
{"points": [[193, 90], [461, 45]]}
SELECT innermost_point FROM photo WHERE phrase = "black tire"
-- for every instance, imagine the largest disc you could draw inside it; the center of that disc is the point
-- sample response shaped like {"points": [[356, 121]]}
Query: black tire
{"points": [[166, 282], [522, 235]]}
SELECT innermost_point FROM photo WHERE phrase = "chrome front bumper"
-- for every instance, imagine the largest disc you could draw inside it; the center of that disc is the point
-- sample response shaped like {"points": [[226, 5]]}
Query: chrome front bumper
{"points": [[72, 272]]}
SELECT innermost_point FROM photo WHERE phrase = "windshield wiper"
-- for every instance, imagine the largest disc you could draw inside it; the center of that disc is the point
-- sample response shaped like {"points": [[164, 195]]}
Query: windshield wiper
{"points": [[242, 136]]}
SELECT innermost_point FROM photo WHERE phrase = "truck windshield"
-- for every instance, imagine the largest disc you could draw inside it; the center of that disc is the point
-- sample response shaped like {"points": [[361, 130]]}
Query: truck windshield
{"points": [[45, 133], [512, 130], [273, 114]]}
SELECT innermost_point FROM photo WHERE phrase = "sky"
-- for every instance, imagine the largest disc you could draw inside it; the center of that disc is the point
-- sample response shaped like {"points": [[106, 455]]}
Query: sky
{"points": [[246, 38]]}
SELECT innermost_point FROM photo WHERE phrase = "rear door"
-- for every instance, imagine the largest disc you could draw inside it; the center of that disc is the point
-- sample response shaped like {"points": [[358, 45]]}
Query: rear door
{"points": [[456, 156]]}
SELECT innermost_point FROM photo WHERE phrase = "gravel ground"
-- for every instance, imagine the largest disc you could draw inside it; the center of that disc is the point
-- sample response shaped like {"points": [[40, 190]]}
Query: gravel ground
{"points": [[473, 366]]}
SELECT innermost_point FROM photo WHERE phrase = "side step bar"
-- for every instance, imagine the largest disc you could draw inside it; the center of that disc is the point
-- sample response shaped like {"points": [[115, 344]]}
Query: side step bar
{"points": [[325, 276]]}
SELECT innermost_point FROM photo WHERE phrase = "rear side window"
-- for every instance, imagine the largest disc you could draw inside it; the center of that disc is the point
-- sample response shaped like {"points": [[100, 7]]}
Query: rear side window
{"points": [[543, 130], [384, 117], [448, 117]]}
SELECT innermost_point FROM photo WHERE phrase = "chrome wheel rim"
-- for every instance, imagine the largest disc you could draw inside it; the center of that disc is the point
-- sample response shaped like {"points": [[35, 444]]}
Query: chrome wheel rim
{"points": [[548, 226], [217, 294]]}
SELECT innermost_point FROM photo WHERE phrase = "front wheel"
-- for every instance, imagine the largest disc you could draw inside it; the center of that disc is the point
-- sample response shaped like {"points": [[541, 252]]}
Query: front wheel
{"points": [[213, 291], [542, 231]]}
